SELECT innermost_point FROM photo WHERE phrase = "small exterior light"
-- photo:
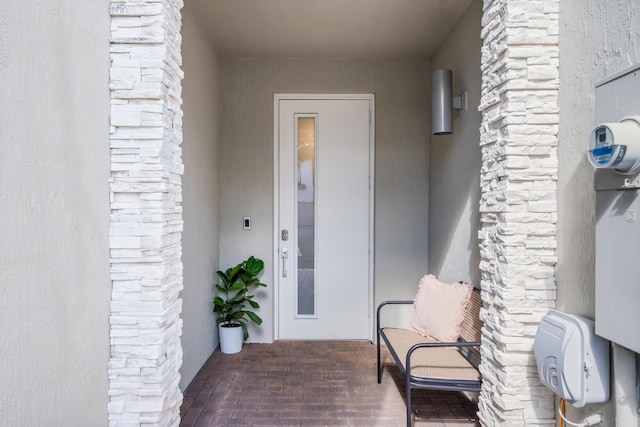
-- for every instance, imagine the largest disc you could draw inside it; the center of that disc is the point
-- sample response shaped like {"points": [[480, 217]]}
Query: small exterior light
{"points": [[442, 102]]}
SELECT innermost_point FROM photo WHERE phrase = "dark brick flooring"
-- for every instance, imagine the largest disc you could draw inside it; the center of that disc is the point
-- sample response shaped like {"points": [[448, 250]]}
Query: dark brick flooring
{"points": [[312, 384]]}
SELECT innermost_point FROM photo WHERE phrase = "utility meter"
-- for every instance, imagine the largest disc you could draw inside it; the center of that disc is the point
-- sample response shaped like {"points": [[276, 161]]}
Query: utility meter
{"points": [[616, 145]]}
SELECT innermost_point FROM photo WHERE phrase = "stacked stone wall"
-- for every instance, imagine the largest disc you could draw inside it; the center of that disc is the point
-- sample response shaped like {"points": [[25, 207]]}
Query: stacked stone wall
{"points": [[146, 213], [519, 138]]}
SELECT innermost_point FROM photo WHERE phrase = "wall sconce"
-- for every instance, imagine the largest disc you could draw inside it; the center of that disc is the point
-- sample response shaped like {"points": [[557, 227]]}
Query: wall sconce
{"points": [[442, 102]]}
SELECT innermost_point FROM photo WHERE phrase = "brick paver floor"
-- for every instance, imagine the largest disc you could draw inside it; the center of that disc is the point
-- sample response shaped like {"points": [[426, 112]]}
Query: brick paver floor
{"points": [[312, 384]]}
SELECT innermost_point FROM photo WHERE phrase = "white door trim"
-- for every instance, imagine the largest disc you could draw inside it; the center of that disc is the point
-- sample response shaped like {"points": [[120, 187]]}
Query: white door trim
{"points": [[276, 194]]}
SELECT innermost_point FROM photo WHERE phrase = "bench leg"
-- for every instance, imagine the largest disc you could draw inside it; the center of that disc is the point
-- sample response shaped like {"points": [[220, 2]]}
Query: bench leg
{"points": [[408, 405], [379, 365], [407, 375]]}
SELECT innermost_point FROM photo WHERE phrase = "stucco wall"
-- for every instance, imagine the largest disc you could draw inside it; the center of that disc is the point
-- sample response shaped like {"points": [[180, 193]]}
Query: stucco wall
{"points": [[54, 213], [454, 168], [402, 119], [201, 195], [596, 39]]}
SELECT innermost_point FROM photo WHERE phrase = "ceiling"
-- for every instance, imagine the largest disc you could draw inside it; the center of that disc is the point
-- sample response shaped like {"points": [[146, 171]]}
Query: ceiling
{"points": [[358, 29]]}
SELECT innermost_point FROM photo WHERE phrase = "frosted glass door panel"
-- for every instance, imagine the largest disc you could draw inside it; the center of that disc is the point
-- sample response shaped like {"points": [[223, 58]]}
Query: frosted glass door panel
{"points": [[306, 216]]}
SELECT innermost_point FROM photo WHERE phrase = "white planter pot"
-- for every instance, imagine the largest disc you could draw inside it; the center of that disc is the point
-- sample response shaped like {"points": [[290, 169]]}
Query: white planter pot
{"points": [[230, 339]]}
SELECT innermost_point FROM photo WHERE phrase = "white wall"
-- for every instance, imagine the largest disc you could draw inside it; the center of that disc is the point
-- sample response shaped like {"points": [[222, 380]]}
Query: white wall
{"points": [[402, 119], [201, 195], [454, 169], [596, 39], [54, 213]]}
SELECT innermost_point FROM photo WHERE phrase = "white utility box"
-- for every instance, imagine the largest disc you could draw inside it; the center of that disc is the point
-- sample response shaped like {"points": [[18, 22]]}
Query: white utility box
{"points": [[572, 360], [614, 149]]}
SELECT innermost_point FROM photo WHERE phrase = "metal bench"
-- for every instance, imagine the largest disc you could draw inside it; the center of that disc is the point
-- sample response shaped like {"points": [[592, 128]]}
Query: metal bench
{"points": [[429, 364]]}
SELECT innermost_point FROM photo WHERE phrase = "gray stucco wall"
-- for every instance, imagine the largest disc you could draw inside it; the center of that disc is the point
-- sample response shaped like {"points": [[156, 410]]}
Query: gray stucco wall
{"points": [[596, 39], [201, 195], [54, 213], [402, 120], [454, 170]]}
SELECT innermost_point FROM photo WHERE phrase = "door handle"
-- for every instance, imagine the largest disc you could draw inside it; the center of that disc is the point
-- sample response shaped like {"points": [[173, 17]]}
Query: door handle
{"points": [[284, 254]]}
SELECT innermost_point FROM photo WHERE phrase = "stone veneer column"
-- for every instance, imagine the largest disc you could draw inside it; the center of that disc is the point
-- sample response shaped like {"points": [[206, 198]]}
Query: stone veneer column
{"points": [[518, 203], [146, 213]]}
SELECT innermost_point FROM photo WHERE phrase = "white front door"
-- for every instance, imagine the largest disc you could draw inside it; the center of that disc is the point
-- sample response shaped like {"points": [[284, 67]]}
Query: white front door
{"points": [[324, 223]]}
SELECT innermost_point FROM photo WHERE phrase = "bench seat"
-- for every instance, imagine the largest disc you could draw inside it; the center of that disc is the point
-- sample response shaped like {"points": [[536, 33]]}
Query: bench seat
{"points": [[445, 363]]}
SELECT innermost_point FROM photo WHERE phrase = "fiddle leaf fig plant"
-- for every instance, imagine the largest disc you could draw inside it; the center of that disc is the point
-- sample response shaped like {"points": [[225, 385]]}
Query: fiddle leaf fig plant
{"points": [[234, 304]]}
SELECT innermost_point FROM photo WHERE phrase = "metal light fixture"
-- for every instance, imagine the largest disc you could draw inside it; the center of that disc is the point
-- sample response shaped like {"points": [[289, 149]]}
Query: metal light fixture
{"points": [[442, 102]]}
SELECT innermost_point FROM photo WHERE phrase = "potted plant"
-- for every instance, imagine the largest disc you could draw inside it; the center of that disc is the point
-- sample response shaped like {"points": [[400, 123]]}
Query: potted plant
{"points": [[234, 304]]}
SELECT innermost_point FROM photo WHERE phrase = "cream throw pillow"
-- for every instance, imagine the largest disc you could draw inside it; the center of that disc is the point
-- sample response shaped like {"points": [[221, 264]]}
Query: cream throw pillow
{"points": [[439, 309]]}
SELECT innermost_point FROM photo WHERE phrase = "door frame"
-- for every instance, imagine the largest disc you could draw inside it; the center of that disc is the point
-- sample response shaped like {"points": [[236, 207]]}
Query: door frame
{"points": [[277, 97]]}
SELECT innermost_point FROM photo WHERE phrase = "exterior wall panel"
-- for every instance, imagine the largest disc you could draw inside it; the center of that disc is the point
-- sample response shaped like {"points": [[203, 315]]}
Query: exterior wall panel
{"points": [[455, 160], [201, 194], [54, 213], [597, 39]]}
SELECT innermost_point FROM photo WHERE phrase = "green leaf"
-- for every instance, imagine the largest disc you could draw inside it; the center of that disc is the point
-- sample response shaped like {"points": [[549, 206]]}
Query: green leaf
{"points": [[223, 276], [232, 272], [254, 317], [237, 297], [233, 302], [237, 286], [245, 332], [220, 308], [254, 304], [254, 266]]}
